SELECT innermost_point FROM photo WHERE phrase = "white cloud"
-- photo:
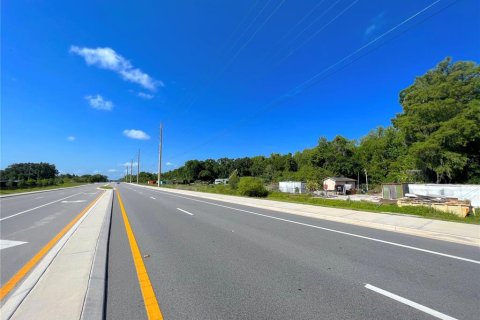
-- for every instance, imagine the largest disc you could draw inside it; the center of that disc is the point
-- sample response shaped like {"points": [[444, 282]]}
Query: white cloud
{"points": [[136, 134], [107, 58], [71, 138], [127, 164], [97, 102], [145, 96], [170, 164], [97, 171], [112, 170]]}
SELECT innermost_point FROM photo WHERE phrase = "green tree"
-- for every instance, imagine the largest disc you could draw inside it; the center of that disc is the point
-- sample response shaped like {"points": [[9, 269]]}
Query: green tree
{"points": [[441, 121], [312, 185], [258, 166], [379, 153]]}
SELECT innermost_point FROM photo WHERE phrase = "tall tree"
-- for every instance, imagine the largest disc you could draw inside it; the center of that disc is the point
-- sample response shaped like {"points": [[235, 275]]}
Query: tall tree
{"points": [[441, 121]]}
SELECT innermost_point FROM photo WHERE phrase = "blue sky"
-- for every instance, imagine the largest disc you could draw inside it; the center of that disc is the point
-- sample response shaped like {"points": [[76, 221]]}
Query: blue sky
{"points": [[86, 84]]}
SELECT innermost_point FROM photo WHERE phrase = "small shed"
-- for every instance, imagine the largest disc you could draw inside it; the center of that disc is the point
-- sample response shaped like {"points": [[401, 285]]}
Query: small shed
{"points": [[292, 187], [391, 191], [339, 184]]}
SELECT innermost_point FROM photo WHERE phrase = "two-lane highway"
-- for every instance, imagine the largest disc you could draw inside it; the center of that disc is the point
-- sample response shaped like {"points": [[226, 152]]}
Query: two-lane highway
{"points": [[29, 222], [213, 260]]}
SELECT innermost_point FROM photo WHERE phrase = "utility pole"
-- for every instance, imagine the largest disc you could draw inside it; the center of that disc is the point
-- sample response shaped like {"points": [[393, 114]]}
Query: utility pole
{"points": [[366, 178], [138, 165], [160, 156], [358, 180], [131, 170]]}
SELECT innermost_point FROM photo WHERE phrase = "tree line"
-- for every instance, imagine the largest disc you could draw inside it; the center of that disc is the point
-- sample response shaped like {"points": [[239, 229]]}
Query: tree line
{"points": [[27, 175], [436, 138]]}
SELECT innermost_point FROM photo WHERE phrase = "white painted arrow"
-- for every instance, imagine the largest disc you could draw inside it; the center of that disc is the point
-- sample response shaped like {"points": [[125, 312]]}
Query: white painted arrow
{"points": [[4, 244]]}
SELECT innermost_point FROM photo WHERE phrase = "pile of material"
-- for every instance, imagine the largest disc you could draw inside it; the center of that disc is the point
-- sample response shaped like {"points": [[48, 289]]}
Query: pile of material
{"points": [[460, 208]]}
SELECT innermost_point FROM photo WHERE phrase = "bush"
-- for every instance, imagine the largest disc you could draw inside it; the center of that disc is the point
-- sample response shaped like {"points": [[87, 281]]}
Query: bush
{"points": [[251, 187], [312, 185], [31, 183], [21, 184]]}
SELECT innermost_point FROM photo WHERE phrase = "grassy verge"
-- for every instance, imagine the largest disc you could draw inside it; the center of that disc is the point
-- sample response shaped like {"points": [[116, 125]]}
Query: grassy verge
{"points": [[341, 204], [65, 185], [107, 186]]}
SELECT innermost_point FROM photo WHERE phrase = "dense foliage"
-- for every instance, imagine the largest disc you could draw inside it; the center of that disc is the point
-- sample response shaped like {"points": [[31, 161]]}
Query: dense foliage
{"points": [[28, 175], [251, 187], [435, 139]]}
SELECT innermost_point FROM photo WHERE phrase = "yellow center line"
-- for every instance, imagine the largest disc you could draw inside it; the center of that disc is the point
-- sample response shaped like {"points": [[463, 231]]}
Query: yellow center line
{"points": [[149, 298], [5, 290]]}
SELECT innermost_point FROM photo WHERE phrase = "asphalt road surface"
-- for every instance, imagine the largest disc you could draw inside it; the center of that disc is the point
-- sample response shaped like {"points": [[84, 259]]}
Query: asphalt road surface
{"points": [[213, 260], [29, 222]]}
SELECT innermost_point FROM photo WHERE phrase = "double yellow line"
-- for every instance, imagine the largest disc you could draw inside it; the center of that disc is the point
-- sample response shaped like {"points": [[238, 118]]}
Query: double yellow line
{"points": [[5, 290], [150, 300]]}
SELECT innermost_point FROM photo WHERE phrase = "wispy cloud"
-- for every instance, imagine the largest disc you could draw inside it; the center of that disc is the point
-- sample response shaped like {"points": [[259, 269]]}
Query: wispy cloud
{"points": [[98, 102], [97, 171], [370, 29], [170, 164], [112, 170], [136, 134], [71, 138], [145, 96], [107, 58], [127, 164], [375, 24]]}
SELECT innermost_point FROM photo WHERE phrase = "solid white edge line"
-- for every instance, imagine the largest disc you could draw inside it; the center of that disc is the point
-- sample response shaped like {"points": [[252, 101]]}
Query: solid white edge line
{"points": [[153, 198], [43, 205], [332, 230], [24, 288], [410, 303], [185, 211]]}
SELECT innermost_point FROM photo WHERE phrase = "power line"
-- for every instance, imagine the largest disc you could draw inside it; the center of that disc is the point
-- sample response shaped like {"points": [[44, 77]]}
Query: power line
{"points": [[229, 63], [318, 31], [323, 74], [208, 79], [302, 19], [268, 56]]}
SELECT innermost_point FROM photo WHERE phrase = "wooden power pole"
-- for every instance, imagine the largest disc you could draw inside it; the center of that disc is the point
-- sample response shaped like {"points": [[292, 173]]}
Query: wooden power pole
{"points": [[138, 165], [160, 143]]}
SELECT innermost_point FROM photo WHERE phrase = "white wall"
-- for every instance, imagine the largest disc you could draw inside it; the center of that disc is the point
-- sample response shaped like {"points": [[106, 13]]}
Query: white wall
{"points": [[290, 186], [461, 191]]}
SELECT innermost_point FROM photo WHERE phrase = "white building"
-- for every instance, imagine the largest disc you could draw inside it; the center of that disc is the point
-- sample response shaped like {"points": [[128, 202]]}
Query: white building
{"points": [[339, 184], [292, 187]]}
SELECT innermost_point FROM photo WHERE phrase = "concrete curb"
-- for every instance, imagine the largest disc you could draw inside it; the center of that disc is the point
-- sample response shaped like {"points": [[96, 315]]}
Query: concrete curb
{"points": [[94, 305], [344, 216], [39, 191]]}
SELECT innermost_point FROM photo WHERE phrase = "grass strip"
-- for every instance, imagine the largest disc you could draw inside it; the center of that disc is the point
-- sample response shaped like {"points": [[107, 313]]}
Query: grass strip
{"points": [[419, 211], [65, 185]]}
